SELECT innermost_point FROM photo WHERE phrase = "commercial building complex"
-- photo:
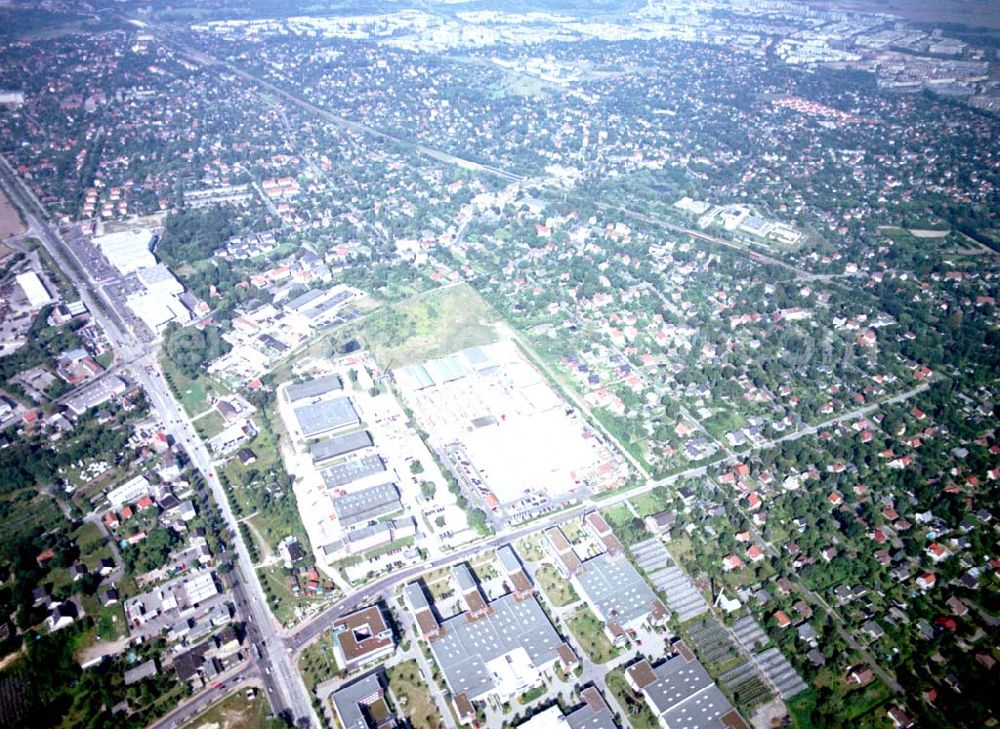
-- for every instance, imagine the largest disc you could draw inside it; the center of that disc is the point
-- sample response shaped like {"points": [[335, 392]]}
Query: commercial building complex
{"points": [[128, 250], [361, 638], [326, 416], [682, 695]]}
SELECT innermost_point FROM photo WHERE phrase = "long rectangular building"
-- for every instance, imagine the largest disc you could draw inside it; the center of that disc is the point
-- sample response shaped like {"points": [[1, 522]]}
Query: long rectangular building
{"points": [[367, 504], [342, 474], [326, 416], [340, 445], [313, 388]]}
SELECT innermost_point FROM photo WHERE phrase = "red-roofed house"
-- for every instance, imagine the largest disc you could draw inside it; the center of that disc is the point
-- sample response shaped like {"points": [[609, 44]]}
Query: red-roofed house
{"points": [[936, 552]]}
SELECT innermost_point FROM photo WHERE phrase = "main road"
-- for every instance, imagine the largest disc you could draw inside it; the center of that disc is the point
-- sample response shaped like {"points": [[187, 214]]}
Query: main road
{"points": [[286, 691]]}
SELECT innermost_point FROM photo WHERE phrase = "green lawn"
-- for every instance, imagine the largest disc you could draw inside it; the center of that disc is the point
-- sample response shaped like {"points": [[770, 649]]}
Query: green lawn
{"points": [[589, 634], [647, 504], [193, 394], [111, 623], [557, 588], [723, 422], [93, 546], [433, 325], [318, 662], [210, 424], [412, 696], [633, 704], [530, 548]]}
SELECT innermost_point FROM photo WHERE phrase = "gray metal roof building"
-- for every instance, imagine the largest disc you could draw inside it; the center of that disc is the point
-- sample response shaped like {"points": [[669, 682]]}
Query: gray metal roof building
{"points": [[360, 704], [303, 300], [344, 473], [95, 394], [464, 578], [361, 533], [414, 595], [508, 559], [340, 445], [326, 416], [313, 388], [140, 672], [594, 714], [685, 696], [369, 503], [465, 647], [615, 590]]}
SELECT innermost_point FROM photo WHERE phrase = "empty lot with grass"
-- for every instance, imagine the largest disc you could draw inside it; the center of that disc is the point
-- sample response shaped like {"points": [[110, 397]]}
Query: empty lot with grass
{"points": [[429, 325]]}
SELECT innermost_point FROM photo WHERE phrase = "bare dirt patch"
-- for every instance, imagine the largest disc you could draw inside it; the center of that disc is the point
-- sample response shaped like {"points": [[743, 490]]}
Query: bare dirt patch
{"points": [[769, 715], [10, 221], [928, 233]]}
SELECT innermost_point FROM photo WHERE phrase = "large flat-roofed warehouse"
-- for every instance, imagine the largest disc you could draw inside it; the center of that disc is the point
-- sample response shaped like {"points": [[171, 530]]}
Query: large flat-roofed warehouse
{"points": [[34, 289], [96, 394], [326, 416], [313, 388], [340, 445], [367, 504], [616, 590], [680, 693], [503, 652], [128, 250], [338, 476]]}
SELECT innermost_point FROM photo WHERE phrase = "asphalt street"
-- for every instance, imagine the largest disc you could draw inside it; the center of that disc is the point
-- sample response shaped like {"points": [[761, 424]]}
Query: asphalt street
{"points": [[286, 691]]}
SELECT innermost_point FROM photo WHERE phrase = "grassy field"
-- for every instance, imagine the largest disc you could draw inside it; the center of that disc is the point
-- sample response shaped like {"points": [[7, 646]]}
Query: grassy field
{"points": [[111, 623], [530, 548], [210, 424], [557, 588], [234, 712], [318, 663], [430, 326], [93, 546], [647, 504], [412, 696], [515, 84], [722, 422], [193, 394], [590, 635], [634, 706]]}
